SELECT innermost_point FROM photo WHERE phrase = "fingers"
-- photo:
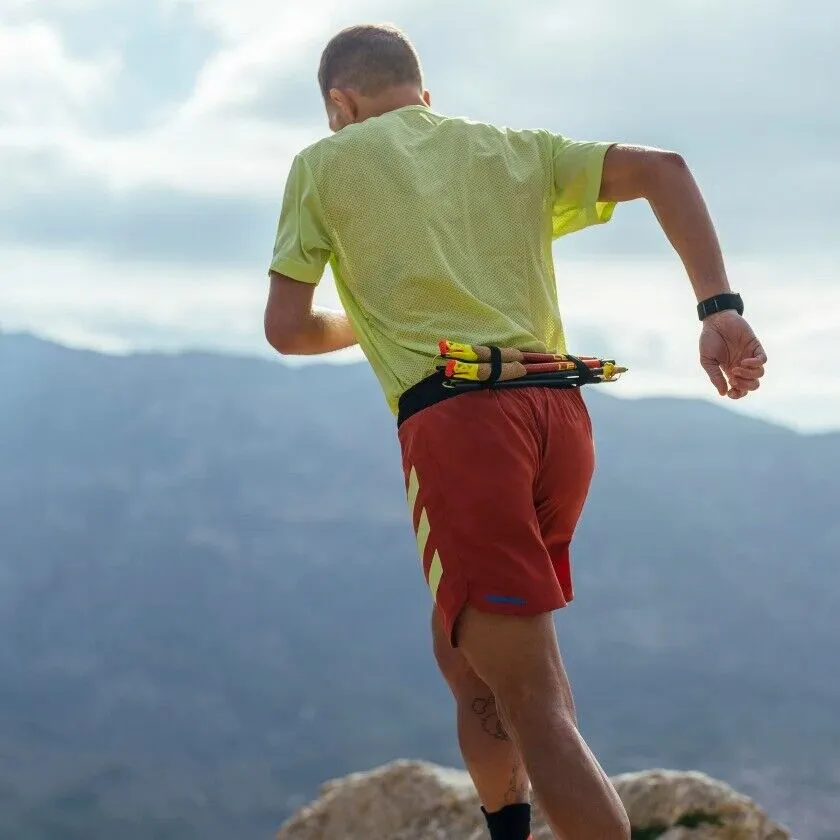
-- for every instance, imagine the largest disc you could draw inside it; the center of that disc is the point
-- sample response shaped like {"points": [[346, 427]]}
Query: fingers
{"points": [[742, 381], [759, 354], [739, 388], [746, 372], [745, 376], [716, 377], [752, 366], [752, 362]]}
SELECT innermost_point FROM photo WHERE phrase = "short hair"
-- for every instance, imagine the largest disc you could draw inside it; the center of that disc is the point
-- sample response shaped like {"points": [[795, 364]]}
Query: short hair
{"points": [[369, 59]]}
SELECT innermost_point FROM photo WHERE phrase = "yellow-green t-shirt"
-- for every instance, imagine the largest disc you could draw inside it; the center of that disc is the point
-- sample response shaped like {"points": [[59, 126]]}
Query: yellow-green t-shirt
{"points": [[438, 227]]}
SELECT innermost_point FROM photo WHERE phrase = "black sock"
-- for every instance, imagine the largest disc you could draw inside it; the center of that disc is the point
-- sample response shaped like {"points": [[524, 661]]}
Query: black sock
{"points": [[513, 822]]}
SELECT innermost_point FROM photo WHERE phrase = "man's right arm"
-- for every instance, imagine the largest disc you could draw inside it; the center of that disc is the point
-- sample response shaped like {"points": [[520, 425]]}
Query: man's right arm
{"points": [[729, 349]]}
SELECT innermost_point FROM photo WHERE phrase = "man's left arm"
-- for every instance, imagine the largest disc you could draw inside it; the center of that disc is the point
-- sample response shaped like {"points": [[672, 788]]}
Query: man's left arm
{"points": [[293, 324]]}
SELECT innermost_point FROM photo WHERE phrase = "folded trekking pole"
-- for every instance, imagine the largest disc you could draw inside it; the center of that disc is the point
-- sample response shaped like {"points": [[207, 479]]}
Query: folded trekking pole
{"points": [[469, 366]]}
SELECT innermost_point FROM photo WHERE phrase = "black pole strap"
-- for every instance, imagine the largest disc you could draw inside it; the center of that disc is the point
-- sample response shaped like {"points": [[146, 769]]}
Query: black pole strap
{"points": [[495, 365]]}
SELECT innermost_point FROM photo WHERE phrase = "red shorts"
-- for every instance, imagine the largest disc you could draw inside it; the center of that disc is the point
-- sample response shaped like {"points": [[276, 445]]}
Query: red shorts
{"points": [[496, 482]]}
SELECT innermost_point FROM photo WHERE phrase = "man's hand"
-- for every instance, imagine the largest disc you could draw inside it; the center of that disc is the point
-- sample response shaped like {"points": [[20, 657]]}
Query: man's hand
{"points": [[731, 354]]}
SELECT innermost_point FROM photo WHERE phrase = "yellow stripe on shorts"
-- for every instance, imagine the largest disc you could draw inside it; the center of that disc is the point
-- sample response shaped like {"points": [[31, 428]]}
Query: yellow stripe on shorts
{"points": [[423, 532], [435, 574], [413, 490]]}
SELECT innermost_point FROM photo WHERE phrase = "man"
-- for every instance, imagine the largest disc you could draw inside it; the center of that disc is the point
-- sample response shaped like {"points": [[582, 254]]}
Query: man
{"points": [[441, 227]]}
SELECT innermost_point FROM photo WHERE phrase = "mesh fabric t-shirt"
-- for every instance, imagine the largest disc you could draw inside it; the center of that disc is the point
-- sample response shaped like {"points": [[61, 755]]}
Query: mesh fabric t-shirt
{"points": [[438, 227]]}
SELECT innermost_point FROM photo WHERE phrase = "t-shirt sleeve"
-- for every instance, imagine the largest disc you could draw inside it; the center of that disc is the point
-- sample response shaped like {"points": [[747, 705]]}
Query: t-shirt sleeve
{"points": [[577, 167], [302, 247]]}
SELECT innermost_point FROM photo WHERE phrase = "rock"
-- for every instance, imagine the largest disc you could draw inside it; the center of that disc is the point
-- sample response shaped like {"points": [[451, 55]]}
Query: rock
{"points": [[670, 805], [415, 800], [404, 800]]}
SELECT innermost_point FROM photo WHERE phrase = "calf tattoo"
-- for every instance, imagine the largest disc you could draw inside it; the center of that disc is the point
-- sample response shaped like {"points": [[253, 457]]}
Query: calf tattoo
{"points": [[519, 786], [485, 709]]}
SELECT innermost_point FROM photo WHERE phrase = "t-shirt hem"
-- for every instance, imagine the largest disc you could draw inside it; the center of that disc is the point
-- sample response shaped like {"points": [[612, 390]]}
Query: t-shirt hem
{"points": [[297, 271], [598, 212]]}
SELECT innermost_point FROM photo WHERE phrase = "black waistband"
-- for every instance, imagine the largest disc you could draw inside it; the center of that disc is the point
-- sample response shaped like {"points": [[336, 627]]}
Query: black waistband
{"points": [[430, 391], [427, 392]]}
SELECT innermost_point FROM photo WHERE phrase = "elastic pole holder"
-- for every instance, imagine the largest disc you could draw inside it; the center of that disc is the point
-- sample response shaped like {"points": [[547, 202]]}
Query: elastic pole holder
{"points": [[495, 365]]}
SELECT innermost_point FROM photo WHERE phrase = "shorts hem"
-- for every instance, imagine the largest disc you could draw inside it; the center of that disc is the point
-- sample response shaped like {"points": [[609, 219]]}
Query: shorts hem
{"points": [[488, 604]]}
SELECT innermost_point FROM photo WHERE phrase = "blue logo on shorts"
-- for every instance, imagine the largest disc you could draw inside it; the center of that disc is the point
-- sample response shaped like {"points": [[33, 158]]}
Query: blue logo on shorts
{"points": [[505, 599]]}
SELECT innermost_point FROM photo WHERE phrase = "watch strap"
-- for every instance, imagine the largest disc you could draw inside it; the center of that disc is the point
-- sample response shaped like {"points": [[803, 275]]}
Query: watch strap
{"points": [[720, 303]]}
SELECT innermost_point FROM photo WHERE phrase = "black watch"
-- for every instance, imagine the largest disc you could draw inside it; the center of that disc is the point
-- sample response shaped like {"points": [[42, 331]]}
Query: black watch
{"points": [[720, 303]]}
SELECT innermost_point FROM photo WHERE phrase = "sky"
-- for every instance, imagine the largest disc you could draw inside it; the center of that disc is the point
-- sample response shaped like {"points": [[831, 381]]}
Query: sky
{"points": [[144, 146]]}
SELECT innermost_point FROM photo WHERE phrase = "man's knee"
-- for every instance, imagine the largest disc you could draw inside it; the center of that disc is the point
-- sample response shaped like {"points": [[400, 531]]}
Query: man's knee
{"points": [[611, 824], [519, 659], [622, 829], [605, 823], [518, 699]]}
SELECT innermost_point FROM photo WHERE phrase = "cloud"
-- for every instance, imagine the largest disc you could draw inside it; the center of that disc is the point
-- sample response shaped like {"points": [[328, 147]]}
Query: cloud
{"points": [[146, 224], [41, 85], [194, 101]]}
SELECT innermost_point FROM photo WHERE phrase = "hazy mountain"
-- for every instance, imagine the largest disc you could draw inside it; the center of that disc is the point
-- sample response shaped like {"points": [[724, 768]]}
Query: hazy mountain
{"points": [[210, 599]]}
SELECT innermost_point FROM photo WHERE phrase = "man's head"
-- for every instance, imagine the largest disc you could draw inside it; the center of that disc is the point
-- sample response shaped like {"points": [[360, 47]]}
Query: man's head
{"points": [[368, 70]]}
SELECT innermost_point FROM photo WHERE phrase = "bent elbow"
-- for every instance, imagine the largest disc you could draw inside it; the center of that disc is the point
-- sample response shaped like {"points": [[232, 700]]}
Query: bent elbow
{"points": [[671, 158], [668, 163], [283, 339], [665, 170], [632, 172]]}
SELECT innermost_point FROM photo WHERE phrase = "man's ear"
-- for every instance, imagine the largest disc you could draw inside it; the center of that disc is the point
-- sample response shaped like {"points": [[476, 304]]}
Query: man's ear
{"points": [[427, 98], [345, 104]]}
